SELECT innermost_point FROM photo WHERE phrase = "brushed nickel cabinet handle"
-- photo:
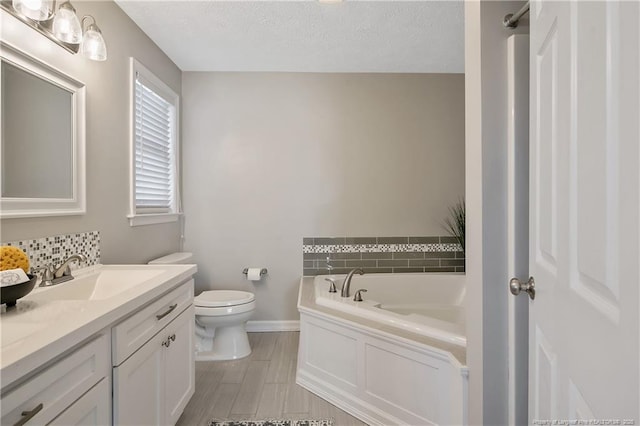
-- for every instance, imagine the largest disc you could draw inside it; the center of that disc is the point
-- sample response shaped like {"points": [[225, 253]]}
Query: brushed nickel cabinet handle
{"points": [[168, 311], [28, 415], [168, 340]]}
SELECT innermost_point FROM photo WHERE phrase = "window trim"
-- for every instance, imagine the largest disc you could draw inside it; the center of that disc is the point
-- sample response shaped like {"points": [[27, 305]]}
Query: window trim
{"points": [[136, 217]]}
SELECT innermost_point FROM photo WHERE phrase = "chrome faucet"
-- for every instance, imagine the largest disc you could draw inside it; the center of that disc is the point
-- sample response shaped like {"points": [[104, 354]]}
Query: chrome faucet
{"points": [[52, 275], [347, 281], [47, 274], [63, 270], [332, 285], [358, 295], [328, 264]]}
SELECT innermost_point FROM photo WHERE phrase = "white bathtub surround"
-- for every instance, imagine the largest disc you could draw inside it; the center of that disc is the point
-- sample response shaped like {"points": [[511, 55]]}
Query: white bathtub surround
{"points": [[430, 305], [382, 371]]}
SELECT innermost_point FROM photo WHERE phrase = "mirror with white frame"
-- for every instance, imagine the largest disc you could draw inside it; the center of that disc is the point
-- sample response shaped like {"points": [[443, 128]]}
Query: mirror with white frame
{"points": [[43, 138]]}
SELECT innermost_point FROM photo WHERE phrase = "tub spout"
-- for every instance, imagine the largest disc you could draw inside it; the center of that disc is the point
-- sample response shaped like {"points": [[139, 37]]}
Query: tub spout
{"points": [[347, 281]]}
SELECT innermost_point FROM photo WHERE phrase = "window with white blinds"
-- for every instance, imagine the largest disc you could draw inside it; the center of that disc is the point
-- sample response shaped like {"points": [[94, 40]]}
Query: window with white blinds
{"points": [[154, 145]]}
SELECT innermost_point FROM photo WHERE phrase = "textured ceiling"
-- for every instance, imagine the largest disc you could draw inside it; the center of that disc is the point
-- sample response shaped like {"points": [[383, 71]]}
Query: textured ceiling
{"points": [[306, 36]]}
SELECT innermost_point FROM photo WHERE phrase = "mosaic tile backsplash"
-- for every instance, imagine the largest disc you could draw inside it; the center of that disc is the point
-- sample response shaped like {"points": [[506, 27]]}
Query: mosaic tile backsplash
{"points": [[56, 249], [381, 254]]}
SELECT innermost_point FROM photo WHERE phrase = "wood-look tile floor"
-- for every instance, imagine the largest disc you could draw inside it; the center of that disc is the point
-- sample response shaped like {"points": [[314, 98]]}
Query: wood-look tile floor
{"points": [[260, 386]]}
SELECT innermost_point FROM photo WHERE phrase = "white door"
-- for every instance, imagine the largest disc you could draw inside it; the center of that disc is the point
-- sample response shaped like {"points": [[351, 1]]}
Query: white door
{"points": [[584, 205]]}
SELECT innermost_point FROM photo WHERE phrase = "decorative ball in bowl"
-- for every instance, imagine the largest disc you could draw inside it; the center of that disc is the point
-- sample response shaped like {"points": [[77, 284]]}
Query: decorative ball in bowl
{"points": [[11, 293]]}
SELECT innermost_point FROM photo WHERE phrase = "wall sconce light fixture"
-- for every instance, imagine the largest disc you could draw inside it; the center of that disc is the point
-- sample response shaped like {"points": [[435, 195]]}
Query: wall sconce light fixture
{"points": [[66, 25], [93, 45], [38, 10], [61, 26]]}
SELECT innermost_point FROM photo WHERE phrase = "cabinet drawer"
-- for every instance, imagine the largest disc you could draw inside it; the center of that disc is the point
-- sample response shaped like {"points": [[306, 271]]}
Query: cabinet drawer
{"points": [[48, 393], [93, 409], [133, 332]]}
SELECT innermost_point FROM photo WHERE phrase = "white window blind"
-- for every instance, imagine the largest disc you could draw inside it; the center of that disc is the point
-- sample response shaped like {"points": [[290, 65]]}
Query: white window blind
{"points": [[155, 150]]}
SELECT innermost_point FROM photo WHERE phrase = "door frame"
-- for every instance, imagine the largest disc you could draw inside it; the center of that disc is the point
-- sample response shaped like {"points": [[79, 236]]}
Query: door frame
{"points": [[486, 180], [518, 224]]}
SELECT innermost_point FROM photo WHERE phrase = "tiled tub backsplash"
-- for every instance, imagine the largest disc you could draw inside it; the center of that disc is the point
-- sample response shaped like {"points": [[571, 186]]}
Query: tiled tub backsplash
{"points": [[57, 248], [381, 254]]}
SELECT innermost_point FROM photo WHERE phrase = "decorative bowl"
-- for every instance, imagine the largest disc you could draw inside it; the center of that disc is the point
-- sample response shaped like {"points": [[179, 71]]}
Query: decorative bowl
{"points": [[11, 293]]}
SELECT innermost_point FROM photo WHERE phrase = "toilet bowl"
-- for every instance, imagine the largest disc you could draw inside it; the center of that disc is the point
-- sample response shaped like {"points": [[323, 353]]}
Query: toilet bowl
{"points": [[220, 318]]}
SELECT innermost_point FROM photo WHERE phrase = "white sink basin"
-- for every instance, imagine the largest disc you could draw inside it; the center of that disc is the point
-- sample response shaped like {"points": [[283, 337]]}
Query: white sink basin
{"points": [[101, 285]]}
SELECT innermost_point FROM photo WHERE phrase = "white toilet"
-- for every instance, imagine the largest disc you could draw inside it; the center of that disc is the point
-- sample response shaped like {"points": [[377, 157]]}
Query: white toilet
{"points": [[221, 316]]}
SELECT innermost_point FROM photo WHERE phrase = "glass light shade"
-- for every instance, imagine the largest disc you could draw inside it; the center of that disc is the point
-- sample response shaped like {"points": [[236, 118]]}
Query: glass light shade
{"points": [[38, 10], [93, 45], [66, 25]]}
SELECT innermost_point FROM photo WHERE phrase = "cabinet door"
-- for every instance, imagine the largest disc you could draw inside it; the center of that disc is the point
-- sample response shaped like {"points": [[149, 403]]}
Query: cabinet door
{"points": [[54, 389], [138, 386], [180, 365], [92, 409]]}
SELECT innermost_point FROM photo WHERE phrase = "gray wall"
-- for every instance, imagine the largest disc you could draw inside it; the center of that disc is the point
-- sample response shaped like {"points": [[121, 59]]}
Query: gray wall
{"points": [[486, 190], [272, 158], [107, 135]]}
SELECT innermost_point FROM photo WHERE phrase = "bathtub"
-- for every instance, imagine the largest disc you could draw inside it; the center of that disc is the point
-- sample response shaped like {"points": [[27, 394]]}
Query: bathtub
{"points": [[426, 304], [398, 357]]}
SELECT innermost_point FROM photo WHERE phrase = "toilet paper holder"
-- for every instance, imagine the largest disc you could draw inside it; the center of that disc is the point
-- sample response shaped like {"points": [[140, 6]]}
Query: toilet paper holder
{"points": [[263, 271]]}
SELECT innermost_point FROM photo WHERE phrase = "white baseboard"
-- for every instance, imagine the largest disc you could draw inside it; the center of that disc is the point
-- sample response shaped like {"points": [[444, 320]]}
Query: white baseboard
{"points": [[267, 326]]}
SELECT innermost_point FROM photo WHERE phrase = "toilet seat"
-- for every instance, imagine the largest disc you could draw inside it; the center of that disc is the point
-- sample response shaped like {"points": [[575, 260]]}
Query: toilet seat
{"points": [[222, 311], [222, 298]]}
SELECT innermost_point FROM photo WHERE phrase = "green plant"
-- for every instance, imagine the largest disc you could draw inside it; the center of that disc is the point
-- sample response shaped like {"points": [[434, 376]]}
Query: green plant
{"points": [[454, 224]]}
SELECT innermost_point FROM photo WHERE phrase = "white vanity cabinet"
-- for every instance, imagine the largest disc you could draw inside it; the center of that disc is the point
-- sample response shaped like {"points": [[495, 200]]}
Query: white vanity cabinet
{"points": [[76, 387], [154, 366], [125, 359]]}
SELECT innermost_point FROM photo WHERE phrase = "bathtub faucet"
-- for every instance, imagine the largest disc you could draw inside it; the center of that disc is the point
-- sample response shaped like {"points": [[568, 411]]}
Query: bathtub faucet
{"points": [[347, 281]]}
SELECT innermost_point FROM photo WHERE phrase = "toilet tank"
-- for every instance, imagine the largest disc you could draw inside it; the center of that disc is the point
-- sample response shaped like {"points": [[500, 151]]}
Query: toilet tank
{"points": [[173, 259]]}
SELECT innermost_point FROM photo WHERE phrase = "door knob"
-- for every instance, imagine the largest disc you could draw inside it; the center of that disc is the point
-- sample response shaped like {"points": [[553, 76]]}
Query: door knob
{"points": [[516, 286]]}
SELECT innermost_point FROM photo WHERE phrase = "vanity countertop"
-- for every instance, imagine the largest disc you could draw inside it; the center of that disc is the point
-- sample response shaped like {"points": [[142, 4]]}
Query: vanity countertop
{"points": [[37, 327]]}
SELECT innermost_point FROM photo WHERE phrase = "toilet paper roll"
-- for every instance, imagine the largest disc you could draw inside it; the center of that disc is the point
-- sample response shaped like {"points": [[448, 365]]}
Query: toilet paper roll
{"points": [[253, 274]]}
